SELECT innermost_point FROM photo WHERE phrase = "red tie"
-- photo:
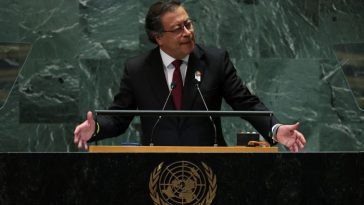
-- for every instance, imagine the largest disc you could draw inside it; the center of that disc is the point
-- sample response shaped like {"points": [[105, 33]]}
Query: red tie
{"points": [[177, 79]]}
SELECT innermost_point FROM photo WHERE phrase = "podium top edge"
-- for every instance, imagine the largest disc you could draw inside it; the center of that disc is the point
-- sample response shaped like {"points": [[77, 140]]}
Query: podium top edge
{"points": [[181, 149], [183, 113]]}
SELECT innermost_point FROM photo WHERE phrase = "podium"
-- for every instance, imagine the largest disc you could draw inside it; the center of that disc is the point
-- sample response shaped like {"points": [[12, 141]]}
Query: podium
{"points": [[181, 175], [221, 178]]}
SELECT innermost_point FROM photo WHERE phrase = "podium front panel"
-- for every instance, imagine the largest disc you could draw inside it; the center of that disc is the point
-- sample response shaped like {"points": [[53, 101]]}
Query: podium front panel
{"points": [[170, 178]]}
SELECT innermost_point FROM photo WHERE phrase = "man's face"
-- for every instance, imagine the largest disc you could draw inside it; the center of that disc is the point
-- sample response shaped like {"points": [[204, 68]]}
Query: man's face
{"points": [[178, 38]]}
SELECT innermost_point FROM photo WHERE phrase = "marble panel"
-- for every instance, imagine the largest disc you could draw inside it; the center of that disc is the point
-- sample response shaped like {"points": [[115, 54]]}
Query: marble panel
{"points": [[49, 93], [51, 26], [291, 28], [10, 17], [106, 24], [12, 57], [285, 52], [351, 58]]}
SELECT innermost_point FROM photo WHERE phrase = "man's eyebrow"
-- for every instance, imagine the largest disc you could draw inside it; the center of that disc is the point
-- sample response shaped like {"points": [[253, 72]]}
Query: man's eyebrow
{"points": [[178, 24]]}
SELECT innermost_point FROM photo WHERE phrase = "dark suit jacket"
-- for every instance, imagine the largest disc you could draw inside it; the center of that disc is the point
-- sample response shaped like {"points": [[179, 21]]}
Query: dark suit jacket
{"points": [[143, 86]]}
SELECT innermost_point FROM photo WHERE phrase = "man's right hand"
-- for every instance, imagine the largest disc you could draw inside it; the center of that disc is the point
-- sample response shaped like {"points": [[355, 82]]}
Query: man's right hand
{"points": [[84, 131]]}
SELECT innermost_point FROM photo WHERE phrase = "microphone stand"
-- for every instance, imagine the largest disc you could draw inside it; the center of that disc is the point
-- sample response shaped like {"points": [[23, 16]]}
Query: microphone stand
{"points": [[207, 109], [173, 85]]}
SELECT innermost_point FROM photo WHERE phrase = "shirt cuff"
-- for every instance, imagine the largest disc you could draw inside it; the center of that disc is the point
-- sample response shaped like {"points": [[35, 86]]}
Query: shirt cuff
{"points": [[97, 129], [275, 131]]}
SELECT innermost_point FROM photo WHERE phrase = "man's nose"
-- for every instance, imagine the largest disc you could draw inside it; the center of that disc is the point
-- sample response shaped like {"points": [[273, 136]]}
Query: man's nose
{"points": [[186, 31]]}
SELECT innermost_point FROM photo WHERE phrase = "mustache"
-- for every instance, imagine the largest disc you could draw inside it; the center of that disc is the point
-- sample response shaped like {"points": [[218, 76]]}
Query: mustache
{"points": [[188, 39]]}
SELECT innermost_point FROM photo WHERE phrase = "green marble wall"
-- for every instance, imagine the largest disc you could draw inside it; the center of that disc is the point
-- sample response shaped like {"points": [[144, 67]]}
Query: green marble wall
{"points": [[286, 51]]}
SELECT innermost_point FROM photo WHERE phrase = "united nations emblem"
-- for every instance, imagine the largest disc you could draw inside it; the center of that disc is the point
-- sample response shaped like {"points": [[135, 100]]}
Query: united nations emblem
{"points": [[182, 182]]}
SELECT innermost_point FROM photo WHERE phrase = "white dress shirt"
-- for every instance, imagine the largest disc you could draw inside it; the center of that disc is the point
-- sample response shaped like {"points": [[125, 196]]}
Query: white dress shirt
{"points": [[169, 68]]}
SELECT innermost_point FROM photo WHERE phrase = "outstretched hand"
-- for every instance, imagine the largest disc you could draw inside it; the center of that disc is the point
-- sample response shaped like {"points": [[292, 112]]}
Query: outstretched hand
{"points": [[289, 136], [84, 131]]}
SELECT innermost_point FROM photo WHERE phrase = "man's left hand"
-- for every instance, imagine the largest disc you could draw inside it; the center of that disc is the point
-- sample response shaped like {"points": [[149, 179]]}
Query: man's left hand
{"points": [[289, 136]]}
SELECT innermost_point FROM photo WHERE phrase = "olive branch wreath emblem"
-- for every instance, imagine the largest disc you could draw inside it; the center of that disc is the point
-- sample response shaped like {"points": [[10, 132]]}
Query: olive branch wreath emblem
{"points": [[155, 176]]}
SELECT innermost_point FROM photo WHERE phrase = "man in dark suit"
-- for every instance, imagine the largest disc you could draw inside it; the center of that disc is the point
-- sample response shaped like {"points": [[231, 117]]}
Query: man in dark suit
{"points": [[172, 68]]}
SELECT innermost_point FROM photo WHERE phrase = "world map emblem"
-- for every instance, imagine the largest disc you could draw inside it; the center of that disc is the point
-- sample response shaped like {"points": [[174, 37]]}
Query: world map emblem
{"points": [[182, 182]]}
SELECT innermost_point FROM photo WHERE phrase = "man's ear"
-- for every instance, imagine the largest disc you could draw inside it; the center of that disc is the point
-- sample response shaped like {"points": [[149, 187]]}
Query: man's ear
{"points": [[158, 39]]}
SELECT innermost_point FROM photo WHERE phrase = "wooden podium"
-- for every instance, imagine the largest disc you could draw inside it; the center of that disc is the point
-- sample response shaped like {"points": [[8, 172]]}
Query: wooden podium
{"points": [[181, 149]]}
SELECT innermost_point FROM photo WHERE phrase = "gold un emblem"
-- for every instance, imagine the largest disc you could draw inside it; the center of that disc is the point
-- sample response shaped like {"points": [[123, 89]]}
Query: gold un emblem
{"points": [[182, 182]]}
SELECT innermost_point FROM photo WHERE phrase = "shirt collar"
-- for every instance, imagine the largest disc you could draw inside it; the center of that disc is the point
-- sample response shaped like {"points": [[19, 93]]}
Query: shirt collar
{"points": [[167, 59]]}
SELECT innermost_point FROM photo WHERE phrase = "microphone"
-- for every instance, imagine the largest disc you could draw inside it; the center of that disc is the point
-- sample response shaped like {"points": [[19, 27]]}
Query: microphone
{"points": [[198, 75], [173, 85]]}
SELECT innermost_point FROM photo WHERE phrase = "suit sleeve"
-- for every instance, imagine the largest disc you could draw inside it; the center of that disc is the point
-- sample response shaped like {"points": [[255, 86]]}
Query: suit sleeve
{"points": [[239, 97], [112, 126]]}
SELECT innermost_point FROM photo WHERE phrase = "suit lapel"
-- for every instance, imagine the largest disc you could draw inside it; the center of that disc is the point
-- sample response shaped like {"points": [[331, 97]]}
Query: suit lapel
{"points": [[190, 92]]}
